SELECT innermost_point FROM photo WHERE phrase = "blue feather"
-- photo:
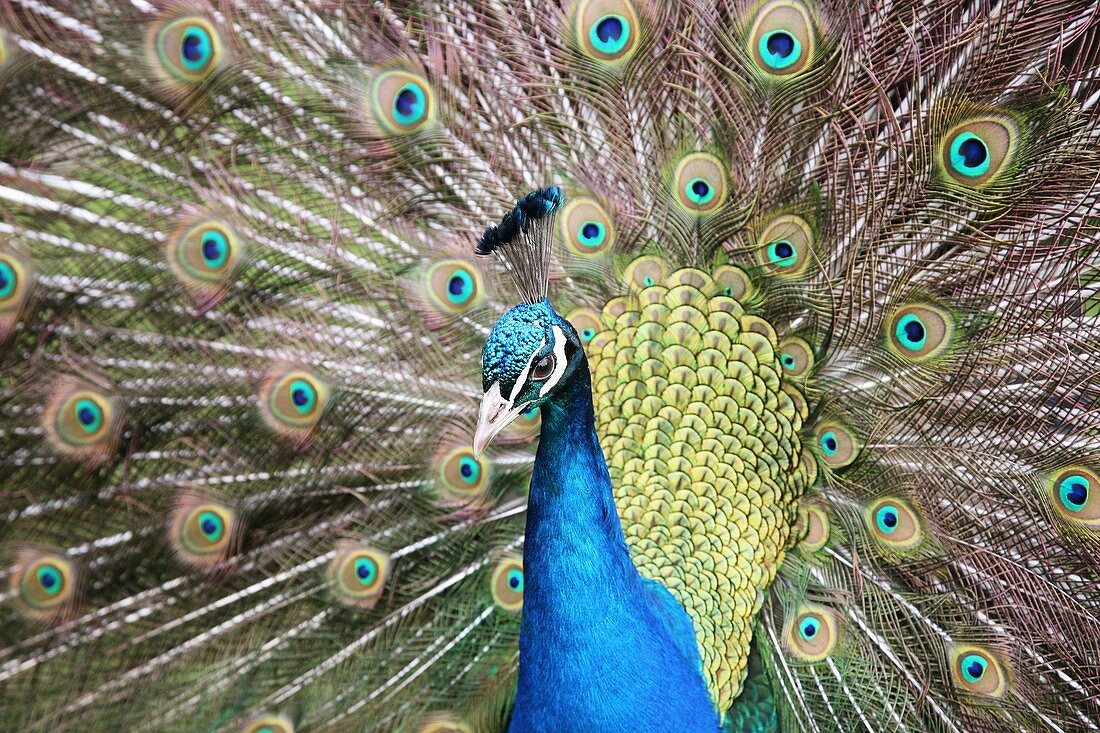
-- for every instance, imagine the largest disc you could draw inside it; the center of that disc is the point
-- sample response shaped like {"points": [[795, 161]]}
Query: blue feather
{"points": [[599, 650]]}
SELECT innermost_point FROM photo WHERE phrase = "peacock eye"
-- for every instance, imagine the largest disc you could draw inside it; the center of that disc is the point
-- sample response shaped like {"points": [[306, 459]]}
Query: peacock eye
{"points": [[202, 531], [544, 367], [978, 671], [358, 574], [205, 256], [188, 50], [732, 282], [796, 356], [813, 633], [700, 184], [586, 227], [293, 401], [978, 150], [894, 524], [785, 244], [1074, 492], [607, 30], [781, 42], [920, 332], [82, 422], [400, 101], [269, 724], [506, 583], [838, 444], [45, 584]]}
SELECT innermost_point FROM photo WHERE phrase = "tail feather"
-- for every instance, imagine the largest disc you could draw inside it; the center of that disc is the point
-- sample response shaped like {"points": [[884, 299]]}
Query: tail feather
{"points": [[239, 364]]}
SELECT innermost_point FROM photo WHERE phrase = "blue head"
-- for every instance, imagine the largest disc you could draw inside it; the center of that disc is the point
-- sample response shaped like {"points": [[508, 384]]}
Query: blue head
{"points": [[529, 355], [531, 351]]}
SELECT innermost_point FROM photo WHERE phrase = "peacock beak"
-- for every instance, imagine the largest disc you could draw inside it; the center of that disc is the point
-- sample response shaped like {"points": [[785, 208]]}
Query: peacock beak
{"points": [[495, 414]]}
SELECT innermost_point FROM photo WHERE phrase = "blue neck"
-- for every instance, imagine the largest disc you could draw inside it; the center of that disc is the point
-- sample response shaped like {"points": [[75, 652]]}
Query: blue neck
{"points": [[600, 647]]}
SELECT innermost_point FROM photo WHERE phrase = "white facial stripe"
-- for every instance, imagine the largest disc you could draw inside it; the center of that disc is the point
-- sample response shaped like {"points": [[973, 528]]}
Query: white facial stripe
{"points": [[521, 382], [559, 361]]}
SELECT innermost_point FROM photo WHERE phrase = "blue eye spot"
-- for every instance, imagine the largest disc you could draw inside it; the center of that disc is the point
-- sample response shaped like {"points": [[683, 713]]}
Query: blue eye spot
{"points": [[910, 332], [365, 570], [469, 469], [648, 281], [192, 47], [886, 518], [699, 192], [973, 667], [7, 280], [914, 331], [592, 234], [1073, 492], [781, 44], [782, 253], [515, 580], [609, 29], [588, 334], [973, 153], [779, 49], [969, 155], [195, 48], [460, 288], [211, 525], [215, 249], [409, 105], [787, 361], [609, 34], [89, 415], [829, 443], [531, 414], [807, 629], [303, 395], [49, 577]]}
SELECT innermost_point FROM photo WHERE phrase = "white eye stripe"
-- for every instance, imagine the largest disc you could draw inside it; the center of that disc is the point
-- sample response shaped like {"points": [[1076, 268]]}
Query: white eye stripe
{"points": [[559, 361], [521, 381]]}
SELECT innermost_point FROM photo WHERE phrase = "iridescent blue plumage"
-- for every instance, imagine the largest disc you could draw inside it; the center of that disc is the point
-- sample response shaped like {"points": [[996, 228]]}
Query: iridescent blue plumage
{"points": [[514, 339], [601, 648]]}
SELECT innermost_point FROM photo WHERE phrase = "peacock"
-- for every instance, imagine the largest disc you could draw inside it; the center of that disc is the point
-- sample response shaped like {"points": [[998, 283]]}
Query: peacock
{"points": [[451, 366]]}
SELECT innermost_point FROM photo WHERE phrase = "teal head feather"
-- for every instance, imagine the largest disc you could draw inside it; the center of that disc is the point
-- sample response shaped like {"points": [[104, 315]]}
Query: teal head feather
{"points": [[530, 350]]}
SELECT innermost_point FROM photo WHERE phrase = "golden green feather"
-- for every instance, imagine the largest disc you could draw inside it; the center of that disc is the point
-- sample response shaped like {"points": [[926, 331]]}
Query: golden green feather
{"points": [[701, 433]]}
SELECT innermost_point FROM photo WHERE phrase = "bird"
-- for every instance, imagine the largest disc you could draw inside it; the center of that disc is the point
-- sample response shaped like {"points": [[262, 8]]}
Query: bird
{"points": [[582, 365]]}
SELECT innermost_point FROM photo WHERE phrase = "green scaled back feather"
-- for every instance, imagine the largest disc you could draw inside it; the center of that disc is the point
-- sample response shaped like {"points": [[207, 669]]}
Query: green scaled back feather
{"points": [[241, 325]]}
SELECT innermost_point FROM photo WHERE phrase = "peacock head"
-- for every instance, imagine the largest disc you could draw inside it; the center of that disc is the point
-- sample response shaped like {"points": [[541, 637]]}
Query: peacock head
{"points": [[531, 351], [529, 355]]}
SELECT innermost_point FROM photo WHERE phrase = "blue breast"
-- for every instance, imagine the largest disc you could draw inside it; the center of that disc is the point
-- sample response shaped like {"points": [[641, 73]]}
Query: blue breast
{"points": [[601, 649]]}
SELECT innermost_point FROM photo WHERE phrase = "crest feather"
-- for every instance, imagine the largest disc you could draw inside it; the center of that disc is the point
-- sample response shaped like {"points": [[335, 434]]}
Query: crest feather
{"points": [[524, 241]]}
